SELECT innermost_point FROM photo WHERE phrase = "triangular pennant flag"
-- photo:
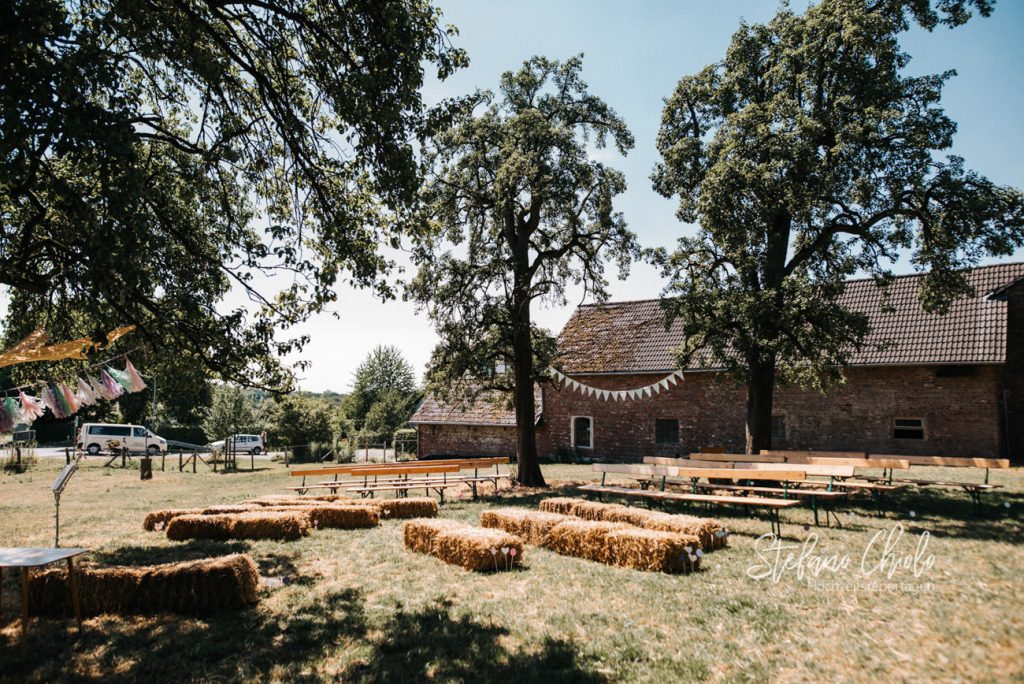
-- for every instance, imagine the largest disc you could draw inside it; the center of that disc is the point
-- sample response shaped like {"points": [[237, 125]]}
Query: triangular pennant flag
{"points": [[672, 378], [656, 388], [647, 391], [663, 384]]}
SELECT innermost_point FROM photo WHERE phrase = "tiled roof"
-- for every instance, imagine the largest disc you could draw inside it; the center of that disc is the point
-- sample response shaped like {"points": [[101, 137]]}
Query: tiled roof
{"points": [[490, 408], [630, 337]]}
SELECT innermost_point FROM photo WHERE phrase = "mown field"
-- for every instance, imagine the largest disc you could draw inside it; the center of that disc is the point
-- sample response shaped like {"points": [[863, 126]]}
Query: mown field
{"points": [[356, 606]]}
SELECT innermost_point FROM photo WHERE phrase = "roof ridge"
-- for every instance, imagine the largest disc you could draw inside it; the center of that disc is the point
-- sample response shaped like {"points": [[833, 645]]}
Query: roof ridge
{"points": [[923, 273]]}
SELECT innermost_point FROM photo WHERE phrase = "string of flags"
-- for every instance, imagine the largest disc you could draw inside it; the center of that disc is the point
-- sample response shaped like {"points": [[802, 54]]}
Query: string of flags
{"points": [[618, 395], [63, 401]]}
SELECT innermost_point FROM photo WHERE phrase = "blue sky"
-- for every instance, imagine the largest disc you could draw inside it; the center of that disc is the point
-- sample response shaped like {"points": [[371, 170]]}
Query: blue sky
{"points": [[634, 54]]}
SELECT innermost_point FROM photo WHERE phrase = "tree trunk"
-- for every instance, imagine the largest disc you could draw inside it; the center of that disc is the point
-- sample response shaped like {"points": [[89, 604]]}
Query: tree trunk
{"points": [[528, 471], [760, 394]]}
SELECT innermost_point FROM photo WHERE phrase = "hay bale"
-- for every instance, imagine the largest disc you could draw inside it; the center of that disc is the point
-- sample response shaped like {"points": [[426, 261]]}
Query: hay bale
{"points": [[472, 548], [400, 509], [192, 588], [284, 526], [652, 550], [530, 526], [582, 538], [479, 549], [283, 501], [419, 534], [712, 533], [341, 517], [221, 509], [558, 504], [157, 520]]}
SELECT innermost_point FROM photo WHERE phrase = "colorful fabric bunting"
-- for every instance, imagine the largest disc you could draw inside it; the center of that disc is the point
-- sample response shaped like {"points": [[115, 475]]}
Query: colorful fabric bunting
{"points": [[121, 378], [70, 399], [7, 419], [85, 395], [31, 408], [137, 382], [50, 401], [114, 390]]}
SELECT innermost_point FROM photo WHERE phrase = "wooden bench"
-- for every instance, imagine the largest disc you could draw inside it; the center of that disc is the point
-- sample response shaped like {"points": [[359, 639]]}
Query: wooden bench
{"points": [[723, 457], [771, 505], [973, 489], [814, 454], [396, 476]]}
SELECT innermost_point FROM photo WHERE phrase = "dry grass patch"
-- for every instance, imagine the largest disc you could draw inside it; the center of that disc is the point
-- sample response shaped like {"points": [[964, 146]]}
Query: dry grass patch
{"points": [[530, 526], [190, 588], [473, 548], [280, 526]]}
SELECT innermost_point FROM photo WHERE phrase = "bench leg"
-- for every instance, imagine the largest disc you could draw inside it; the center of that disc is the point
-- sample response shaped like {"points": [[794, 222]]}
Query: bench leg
{"points": [[776, 522], [814, 507], [473, 487]]}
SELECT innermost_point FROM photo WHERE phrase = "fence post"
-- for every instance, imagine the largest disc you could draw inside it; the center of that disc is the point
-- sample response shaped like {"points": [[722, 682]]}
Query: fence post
{"points": [[181, 464], [67, 455], [163, 460], [195, 458], [124, 457], [286, 457]]}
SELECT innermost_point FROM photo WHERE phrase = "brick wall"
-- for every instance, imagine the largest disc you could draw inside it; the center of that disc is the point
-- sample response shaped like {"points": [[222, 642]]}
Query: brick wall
{"points": [[961, 414], [466, 440], [1013, 374]]}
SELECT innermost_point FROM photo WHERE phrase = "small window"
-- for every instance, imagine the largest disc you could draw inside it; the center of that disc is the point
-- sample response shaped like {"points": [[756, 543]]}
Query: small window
{"points": [[666, 431], [778, 427], [139, 432], [582, 432], [908, 428]]}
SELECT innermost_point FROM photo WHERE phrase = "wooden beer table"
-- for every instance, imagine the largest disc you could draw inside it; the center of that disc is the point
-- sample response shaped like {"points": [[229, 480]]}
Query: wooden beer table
{"points": [[27, 558]]}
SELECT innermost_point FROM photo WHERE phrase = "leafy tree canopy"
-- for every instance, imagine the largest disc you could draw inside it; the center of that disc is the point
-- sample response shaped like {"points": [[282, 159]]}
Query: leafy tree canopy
{"points": [[157, 154], [384, 371], [518, 210], [298, 420], [806, 155], [232, 410], [389, 413]]}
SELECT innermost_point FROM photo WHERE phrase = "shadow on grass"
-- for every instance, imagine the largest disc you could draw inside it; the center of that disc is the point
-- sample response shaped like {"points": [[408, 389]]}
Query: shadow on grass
{"points": [[152, 555], [330, 633], [433, 644]]}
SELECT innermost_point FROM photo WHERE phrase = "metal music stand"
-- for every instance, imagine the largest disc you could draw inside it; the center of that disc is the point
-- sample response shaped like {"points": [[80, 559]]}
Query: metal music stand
{"points": [[58, 488]]}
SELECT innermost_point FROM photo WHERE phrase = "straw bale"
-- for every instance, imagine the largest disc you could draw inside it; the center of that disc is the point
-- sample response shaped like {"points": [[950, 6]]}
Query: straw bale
{"points": [[530, 526], [582, 538], [593, 510], [191, 588], [285, 526], [419, 534], [341, 517], [652, 550], [479, 549], [712, 533], [558, 504], [221, 509], [157, 520], [413, 507]]}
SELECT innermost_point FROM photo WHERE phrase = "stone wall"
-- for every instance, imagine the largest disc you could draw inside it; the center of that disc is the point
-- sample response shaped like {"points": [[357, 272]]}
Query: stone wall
{"points": [[466, 440]]}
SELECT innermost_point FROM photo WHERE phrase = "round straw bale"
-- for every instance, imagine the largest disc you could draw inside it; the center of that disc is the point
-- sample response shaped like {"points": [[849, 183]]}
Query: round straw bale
{"points": [[478, 548], [652, 550], [413, 507], [156, 520], [191, 588], [558, 504]]}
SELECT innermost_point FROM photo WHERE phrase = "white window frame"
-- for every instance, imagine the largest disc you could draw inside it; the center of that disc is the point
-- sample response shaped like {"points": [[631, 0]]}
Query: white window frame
{"points": [[572, 431]]}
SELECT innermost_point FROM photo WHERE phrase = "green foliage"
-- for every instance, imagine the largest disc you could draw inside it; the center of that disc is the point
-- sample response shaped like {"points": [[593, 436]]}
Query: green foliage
{"points": [[163, 153], [384, 370], [389, 413], [232, 410], [298, 420], [518, 210], [806, 155]]}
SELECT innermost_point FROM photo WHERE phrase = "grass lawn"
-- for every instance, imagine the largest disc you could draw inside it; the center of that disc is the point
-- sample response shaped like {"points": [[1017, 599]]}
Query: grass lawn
{"points": [[356, 606]]}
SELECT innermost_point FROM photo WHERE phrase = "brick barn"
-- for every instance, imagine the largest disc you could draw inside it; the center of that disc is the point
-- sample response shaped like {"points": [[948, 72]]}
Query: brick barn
{"points": [[924, 384]]}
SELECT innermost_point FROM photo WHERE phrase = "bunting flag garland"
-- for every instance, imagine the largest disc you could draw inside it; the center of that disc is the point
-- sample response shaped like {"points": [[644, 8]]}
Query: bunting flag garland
{"points": [[63, 400], [618, 395], [137, 383], [7, 419], [69, 398], [85, 395], [31, 408], [113, 389]]}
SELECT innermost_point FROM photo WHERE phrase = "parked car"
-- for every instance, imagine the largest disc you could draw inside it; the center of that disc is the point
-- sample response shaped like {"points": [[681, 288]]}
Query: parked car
{"points": [[242, 444], [95, 437]]}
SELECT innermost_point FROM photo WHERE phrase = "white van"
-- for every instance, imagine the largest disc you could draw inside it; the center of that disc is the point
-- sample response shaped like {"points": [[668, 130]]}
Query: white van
{"points": [[242, 444], [95, 437]]}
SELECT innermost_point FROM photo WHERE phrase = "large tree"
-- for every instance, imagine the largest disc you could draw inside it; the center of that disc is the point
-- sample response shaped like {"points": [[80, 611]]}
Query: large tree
{"points": [[808, 154], [383, 372], [519, 209], [156, 155]]}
